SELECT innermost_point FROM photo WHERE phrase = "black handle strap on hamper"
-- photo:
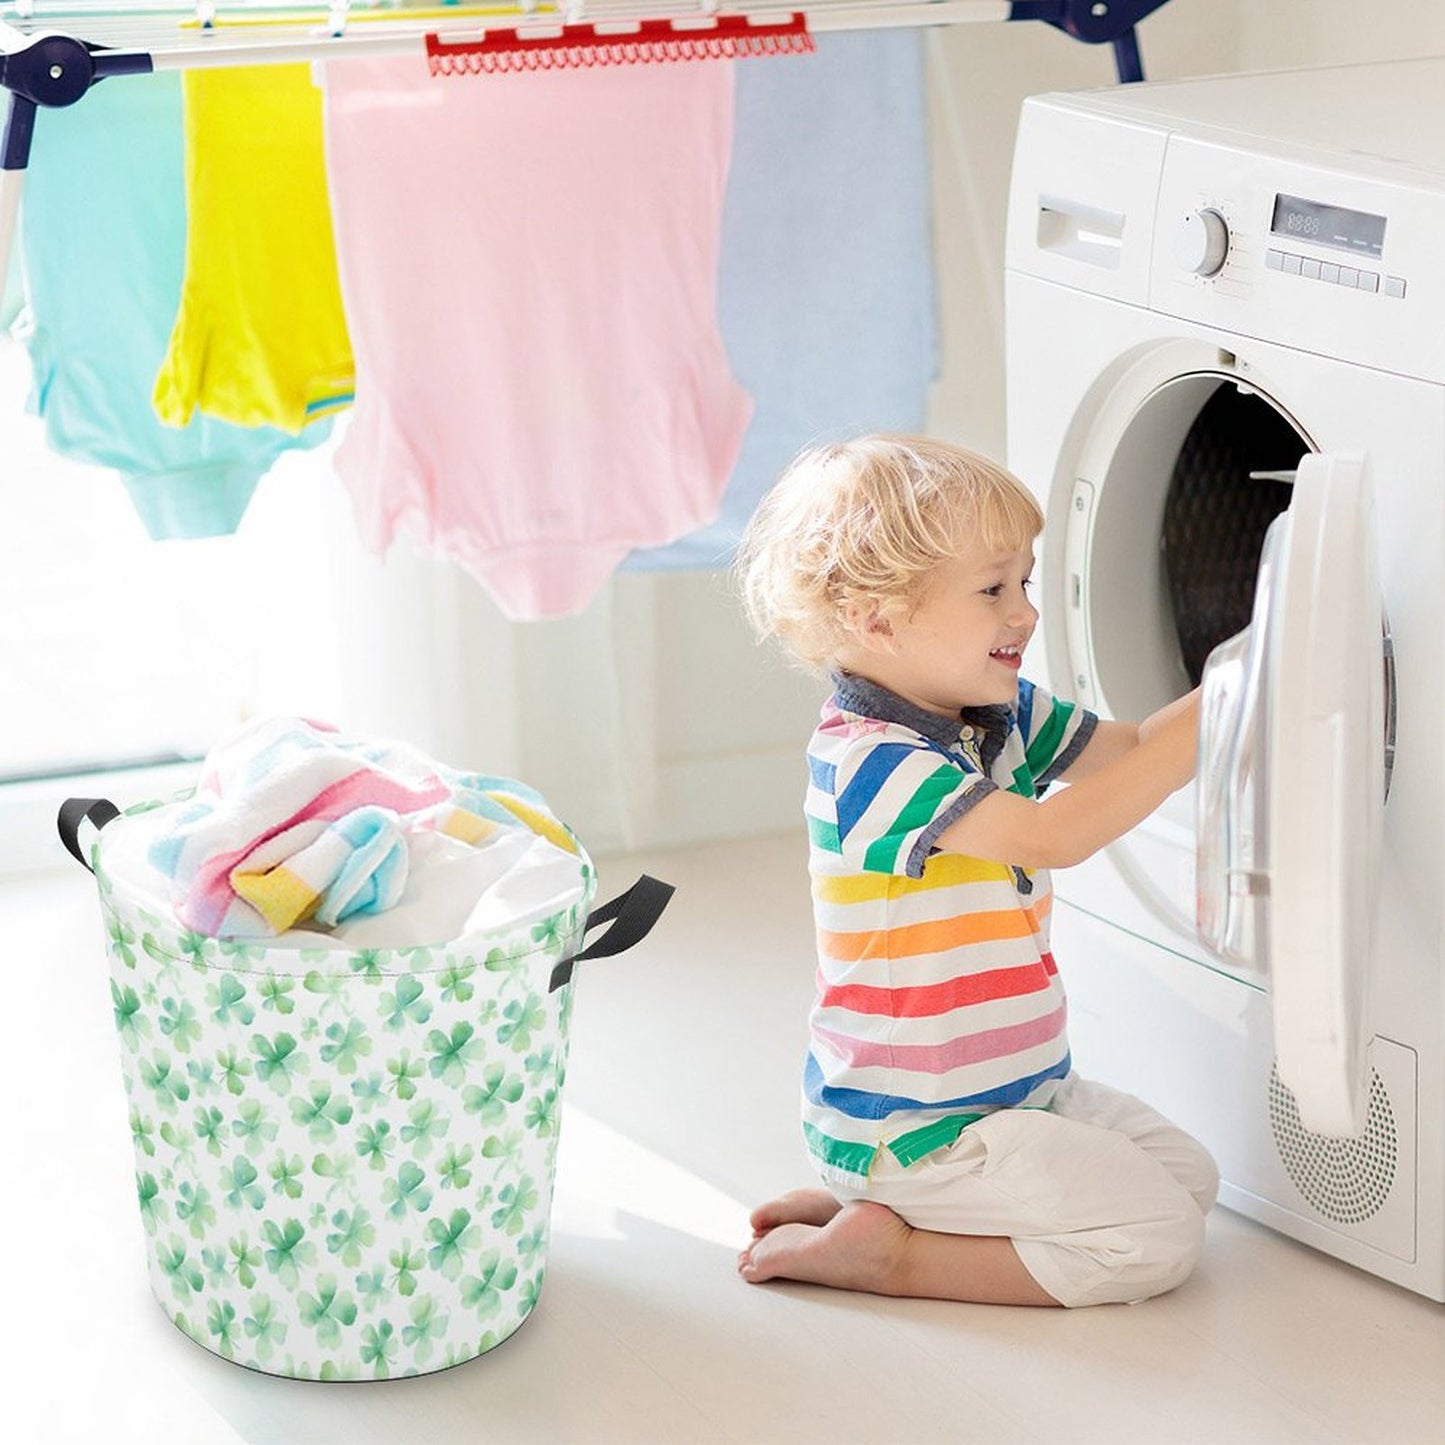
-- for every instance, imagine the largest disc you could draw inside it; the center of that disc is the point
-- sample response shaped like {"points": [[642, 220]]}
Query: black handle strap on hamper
{"points": [[634, 913], [74, 812]]}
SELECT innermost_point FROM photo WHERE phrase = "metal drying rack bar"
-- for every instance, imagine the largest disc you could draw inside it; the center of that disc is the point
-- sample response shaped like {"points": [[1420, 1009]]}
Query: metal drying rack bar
{"points": [[45, 62]]}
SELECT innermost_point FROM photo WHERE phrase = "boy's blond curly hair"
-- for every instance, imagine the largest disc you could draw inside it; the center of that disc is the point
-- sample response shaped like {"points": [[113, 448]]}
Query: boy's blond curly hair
{"points": [[855, 528]]}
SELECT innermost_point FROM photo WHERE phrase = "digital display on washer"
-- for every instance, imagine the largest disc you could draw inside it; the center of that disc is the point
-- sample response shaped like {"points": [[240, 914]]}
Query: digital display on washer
{"points": [[1355, 231]]}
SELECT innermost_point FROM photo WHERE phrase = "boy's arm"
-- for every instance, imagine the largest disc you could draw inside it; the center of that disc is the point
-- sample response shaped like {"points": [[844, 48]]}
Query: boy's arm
{"points": [[1119, 788], [1112, 740]]}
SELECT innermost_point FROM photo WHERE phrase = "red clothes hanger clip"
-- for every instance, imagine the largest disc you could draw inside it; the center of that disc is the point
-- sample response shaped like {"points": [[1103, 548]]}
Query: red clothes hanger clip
{"points": [[729, 37]]}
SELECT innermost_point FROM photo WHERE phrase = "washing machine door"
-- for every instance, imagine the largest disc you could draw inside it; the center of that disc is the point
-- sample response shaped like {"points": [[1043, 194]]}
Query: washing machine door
{"points": [[1291, 787]]}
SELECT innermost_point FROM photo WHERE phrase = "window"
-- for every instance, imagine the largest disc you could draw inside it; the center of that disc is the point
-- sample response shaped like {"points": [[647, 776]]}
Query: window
{"points": [[117, 650]]}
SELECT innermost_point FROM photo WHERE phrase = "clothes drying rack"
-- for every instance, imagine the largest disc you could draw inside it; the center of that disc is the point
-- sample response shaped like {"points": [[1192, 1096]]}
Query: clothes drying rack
{"points": [[51, 54]]}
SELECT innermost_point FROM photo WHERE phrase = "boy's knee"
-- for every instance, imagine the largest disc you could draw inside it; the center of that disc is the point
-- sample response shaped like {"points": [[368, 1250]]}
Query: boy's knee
{"points": [[1161, 1254], [1181, 1248], [1203, 1181], [1171, 1247]]}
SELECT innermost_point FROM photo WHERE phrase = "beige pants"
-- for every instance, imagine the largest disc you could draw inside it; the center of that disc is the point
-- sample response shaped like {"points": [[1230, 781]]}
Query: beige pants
{"points": [[1103, 1197]]}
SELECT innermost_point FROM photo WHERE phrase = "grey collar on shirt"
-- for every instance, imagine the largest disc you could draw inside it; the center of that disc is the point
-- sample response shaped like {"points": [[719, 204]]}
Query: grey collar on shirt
{"points": [[868, 699]]}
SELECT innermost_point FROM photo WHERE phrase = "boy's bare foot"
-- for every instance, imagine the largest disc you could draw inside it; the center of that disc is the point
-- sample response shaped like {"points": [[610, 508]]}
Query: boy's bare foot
{"points": [[859, 1246], [806, 1235], [797, 1206]]}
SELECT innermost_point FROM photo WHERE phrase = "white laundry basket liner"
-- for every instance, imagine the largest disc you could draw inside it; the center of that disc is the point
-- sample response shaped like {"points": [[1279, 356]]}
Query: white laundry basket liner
{"points": [[344, 1159]]}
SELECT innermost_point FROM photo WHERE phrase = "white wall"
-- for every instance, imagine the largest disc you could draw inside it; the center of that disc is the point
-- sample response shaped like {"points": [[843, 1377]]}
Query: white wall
{"points": [[654, 718], [1285, 34]]}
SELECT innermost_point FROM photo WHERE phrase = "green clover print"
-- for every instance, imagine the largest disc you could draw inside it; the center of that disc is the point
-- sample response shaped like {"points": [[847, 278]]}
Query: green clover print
{"points": [[369, 1093], [328, 1309], [455, 982], [129, 1020], [452, 1166], [378, 1347], [169, 1087], [121, 938], [404, 1072], [183, 1275], [245, 1259], [428, 1323], [227, 1000], [221, 1322], [408, 1189], [275, 990], [489, 1099], [287, 1248], [193, 1204], [239, 1182], [375, 1143], [233, 1070], [152, 1206], [406, 1262], [262, 1326], [287, 1174], [522, 1021], [354, 1232], [320, 1112], [347, 1046], [515, 1201], [483, 1291], [450, 1240], [428, 1122], [252, 1122], [452, 1053], [277, 1061], [405, 1005]]}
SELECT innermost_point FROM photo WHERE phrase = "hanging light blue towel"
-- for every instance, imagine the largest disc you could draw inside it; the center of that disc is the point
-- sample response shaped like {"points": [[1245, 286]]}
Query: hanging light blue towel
{"points": [[826, 286], [11, 293], [102, 239]]}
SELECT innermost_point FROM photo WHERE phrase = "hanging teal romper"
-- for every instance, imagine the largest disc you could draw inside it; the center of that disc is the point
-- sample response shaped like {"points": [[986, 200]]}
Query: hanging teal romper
{"points": [[102, 236]]}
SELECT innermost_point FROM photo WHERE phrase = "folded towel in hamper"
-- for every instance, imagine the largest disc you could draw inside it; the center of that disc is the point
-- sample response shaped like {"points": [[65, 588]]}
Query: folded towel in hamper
{"points": [[293, 822]]}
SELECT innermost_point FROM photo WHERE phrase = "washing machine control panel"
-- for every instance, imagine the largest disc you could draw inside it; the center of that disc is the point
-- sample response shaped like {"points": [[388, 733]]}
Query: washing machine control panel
{"points": [[1201, 242], [1339, 259]]}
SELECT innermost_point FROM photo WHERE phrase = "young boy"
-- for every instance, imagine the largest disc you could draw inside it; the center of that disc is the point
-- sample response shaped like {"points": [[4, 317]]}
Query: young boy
{"points": [[963, 1157]]}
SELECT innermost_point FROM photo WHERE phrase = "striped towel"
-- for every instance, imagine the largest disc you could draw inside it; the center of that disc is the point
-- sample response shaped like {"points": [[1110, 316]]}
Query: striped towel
{"points": [[292, 822]]}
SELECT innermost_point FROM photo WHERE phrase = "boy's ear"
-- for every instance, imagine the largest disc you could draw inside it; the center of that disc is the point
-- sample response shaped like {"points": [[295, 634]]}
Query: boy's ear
{"points": [[868, 627]]}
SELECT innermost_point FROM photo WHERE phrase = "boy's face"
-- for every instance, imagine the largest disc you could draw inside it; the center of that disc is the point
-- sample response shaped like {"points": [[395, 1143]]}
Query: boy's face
{"points": [[963, 643]]}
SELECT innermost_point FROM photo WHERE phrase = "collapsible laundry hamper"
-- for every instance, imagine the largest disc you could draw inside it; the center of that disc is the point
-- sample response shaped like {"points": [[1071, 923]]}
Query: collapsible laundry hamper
{"points": [[344, 1159]]}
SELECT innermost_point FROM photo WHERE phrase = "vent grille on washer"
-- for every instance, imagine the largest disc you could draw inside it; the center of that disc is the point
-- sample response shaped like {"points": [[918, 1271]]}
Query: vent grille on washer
{"points": [[1346, 1180]]}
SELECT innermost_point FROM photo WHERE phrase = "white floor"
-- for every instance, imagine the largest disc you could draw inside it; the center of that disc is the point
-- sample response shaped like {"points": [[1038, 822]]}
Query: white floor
{"points": [[680, 1114]]}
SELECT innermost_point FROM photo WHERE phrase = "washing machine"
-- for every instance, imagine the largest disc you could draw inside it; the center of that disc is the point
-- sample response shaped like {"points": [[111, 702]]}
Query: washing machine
{"points": [[1226, 386]]}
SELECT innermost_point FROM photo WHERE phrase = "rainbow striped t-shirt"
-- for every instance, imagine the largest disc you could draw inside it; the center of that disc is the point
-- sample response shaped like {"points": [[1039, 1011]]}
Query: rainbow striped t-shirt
{"points": [[938, 1000]]}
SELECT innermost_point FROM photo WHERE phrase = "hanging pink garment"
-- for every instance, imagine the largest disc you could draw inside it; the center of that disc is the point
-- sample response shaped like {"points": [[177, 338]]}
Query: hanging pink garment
{"points": [[529, 267]]}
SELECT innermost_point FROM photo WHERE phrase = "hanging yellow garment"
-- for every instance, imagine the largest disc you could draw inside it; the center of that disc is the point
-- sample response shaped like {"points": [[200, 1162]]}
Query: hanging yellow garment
{"points": [[260, 338]]}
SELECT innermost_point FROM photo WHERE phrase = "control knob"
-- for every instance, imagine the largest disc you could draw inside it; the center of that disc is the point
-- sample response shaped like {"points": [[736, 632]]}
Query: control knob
{"points": [[1201, 242]]}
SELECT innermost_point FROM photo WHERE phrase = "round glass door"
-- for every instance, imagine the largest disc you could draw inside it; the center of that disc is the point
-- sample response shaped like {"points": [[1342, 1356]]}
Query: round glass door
{"points": [[1164, 540], [1164, 533]]}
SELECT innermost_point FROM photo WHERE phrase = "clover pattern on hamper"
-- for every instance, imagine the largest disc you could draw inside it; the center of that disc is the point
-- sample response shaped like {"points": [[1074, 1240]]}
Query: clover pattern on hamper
{"points": [[345, 1170]]}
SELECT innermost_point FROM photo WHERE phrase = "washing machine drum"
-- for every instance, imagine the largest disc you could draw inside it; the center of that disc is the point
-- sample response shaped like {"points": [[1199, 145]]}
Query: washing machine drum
{"points": [[1228, 484]]}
